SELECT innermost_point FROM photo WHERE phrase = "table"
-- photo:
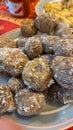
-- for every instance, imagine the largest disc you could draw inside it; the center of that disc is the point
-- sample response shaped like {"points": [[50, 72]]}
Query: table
{"points": [[7, 22]]}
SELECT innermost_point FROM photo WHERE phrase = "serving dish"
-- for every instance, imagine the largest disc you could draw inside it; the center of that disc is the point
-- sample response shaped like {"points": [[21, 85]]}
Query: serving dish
{"points": [[39, 6], [55, 117]]}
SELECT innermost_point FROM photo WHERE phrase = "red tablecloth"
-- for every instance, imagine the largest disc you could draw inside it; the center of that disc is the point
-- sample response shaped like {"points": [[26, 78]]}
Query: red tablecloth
{"points": [[6, 26], [7, 23]]}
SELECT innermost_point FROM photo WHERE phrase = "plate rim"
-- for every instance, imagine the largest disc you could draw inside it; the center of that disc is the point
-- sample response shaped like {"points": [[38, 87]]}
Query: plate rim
{"points": [[50, 127]]}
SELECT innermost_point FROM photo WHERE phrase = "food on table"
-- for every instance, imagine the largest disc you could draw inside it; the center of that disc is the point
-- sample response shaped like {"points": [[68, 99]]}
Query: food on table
{"points": [[64, 48], [67, 3], [48, 42], [29, 103], [39, 35], [7, 42], [62, 68], [47, 57], [21, 42], [33, 47], [27, 28], [60, 11], [54, 5], [12, 60], [15, 84], [37, 74], [59, 94], [6, 100], [64, 95], [63, 31], [52, 93], [46, 23]]}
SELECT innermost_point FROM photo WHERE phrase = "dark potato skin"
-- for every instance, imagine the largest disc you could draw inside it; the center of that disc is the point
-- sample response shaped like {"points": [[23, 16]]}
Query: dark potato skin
{"points": [[62, 68], [27, 28]]}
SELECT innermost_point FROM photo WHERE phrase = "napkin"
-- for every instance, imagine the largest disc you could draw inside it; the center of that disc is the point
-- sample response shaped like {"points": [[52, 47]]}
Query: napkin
{"points": [[6, 26]]}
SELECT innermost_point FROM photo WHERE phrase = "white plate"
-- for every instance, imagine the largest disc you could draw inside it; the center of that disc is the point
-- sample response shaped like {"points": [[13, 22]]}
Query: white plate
{"points": [[55, 117], [39, 7]]}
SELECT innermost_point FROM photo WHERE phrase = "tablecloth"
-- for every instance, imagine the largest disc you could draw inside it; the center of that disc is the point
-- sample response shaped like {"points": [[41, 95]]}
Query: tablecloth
{"points": [[8, 23]]}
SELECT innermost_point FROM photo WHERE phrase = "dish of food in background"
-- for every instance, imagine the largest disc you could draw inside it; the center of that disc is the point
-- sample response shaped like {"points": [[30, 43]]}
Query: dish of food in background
{"points": [[55, 6]]}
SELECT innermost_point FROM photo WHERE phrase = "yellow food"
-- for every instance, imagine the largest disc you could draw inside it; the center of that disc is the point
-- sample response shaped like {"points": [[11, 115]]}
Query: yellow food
{"points": [[64, 14]]}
